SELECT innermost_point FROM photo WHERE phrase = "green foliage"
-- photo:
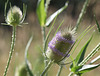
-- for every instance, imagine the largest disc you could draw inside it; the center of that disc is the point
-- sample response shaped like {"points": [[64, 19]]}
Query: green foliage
{"points": [[91, 54], [86, 68], [50, 19], [74, 67], [81, 54], [41, 13], [78, 66]]}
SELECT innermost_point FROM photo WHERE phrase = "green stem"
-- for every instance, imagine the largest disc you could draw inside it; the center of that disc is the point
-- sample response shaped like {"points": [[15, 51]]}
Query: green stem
{"points": [[11, 50], [44, 45], [83, 11], [59, 71], [46, 68], [44, 37]]}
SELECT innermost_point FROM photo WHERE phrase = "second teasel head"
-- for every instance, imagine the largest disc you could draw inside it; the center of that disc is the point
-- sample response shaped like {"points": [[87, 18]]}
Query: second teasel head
{"points": [[60, 45], [14, 16]]}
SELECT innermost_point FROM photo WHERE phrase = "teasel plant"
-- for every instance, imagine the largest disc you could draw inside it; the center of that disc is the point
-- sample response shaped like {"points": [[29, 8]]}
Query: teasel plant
{"points": [[45, 22], [13, 18], [62, 45], [55, 51]]}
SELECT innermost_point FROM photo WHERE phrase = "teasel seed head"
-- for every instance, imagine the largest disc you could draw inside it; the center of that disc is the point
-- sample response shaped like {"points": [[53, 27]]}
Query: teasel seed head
{"points": [[59, 46], [14, 16]]}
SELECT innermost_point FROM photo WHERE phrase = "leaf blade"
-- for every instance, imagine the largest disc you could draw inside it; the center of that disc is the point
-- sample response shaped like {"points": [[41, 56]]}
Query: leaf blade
{"points": [[91, 54], [87, 68], [81, 54], [41, 13], [50, 19], [95, 59]]}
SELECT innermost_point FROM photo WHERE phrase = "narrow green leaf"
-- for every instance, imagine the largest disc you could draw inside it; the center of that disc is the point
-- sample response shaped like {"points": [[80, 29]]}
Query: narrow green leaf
{"points": [[59, 27], [82, 36], [41, 13], [87, 68], [81, 54], [97, 23], [50, 19], [96, 59], [26, 60], [91, 54]]}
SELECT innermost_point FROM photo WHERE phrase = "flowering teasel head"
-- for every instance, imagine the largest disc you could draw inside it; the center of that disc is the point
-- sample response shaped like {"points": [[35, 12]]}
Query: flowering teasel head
{"points": [[60, 45], [15, 17]]}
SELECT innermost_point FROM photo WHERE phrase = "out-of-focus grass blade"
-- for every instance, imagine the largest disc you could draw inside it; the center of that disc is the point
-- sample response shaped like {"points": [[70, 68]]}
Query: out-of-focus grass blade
{"points": [[87, 68], [96, 59], [81, 54], [97, 23], [91, 54], [41, 13], [26, 60], [50, 19]]}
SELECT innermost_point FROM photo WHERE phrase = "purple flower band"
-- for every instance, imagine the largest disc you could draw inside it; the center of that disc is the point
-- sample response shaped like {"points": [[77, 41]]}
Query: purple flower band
{"points": [[59, 37], [58, 52]]}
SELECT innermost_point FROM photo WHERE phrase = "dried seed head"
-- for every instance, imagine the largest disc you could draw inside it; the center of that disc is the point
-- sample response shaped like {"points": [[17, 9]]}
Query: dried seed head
{"points": [[14, 16], [59, 46]]}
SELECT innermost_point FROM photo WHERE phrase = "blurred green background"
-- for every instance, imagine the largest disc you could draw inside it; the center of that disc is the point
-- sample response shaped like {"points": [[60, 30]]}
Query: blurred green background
{"points": [[70, 16]]}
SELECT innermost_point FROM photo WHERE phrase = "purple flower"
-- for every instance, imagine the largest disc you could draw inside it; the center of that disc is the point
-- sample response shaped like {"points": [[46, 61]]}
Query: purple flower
{"points": [[59, 46]]}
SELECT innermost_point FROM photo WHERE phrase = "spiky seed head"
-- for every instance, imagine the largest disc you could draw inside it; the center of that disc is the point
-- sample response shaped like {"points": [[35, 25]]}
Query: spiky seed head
{"points": [[14, 16], [59, 46]]}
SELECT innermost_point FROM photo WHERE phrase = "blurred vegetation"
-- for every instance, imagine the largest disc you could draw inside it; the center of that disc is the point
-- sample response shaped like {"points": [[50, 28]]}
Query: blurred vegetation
{"points": [[70, 16]]}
